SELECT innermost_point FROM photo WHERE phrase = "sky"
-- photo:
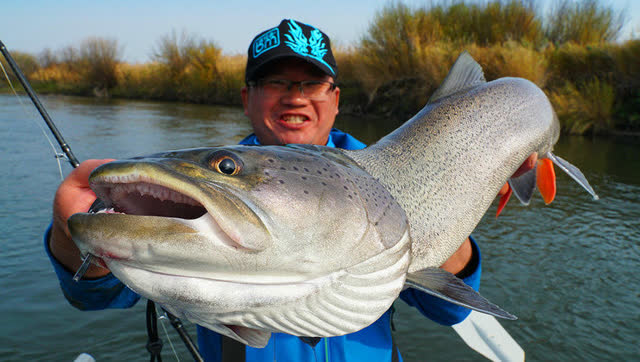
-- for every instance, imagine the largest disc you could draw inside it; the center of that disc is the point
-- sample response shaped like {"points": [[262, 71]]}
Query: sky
{"points": [[137, 25]]}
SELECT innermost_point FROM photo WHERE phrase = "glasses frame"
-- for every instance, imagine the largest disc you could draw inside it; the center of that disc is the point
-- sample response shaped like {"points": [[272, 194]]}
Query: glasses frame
{"points": [[259, 83]]}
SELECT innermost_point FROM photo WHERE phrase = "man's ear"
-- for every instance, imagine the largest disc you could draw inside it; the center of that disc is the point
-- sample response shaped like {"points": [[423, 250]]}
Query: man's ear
{"points": [[244, 93], [337, 91]]}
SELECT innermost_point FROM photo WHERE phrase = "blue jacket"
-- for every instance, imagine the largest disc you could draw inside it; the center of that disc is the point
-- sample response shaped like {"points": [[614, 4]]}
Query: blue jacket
{"points": [[373, 343]]}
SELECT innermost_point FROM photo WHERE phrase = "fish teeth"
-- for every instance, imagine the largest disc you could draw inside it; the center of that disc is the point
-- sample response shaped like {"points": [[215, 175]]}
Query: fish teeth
{"points": [[120, 190]]}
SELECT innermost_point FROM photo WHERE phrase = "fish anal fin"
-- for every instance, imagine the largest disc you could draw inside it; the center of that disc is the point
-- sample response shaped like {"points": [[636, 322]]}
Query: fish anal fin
{"points": [[546, 180], [465, 73], [442, 284]]}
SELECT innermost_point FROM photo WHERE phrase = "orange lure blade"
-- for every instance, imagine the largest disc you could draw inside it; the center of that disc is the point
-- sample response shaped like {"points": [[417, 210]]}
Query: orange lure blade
{"points": [[504, 199], [546, 180]]}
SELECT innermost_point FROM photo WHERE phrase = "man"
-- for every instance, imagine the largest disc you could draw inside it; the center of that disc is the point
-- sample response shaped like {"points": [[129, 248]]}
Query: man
{"points": [[290, 97]]}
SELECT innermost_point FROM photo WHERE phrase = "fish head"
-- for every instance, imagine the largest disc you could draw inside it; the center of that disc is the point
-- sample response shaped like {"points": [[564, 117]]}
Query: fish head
{"points": [[246, 217]]}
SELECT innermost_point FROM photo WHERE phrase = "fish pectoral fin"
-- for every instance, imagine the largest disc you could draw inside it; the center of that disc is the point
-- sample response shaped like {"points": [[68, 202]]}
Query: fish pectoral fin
{"points": [[444, 285], [573, 172], [546, 180], [249, 336], [465, 74], [524, 185]]}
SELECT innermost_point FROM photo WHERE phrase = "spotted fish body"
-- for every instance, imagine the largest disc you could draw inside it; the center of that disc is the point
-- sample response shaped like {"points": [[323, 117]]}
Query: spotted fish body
{"points": [[446, 165], [314, 241]]}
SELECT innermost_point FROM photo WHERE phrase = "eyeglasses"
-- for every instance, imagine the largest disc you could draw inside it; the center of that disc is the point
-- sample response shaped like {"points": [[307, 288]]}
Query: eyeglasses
{"points": [[310, 89]]}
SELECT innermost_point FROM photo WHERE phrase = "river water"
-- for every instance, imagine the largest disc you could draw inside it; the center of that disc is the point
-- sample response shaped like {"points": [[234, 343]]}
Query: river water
{"points": [[569, 271]]}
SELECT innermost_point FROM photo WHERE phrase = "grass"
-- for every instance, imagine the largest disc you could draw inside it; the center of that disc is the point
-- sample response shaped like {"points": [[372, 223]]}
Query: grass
{"points": [[593, 82]]}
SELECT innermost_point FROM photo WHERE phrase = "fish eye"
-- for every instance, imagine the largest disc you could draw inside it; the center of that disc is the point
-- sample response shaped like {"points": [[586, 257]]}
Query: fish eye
{"points": [[227, 166], [225, 163]]}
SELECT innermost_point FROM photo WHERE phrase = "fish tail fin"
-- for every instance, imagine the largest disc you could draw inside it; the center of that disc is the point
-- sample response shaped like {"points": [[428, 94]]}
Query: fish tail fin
{"points": [[442, 284], [573, 172]]}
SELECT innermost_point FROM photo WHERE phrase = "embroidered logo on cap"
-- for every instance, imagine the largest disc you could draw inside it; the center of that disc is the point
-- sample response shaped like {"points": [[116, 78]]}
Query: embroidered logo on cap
{"points": [[266, 41], [313, 47]]}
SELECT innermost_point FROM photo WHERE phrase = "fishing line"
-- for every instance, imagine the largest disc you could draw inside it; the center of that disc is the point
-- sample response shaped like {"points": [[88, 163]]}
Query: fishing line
{"points": [[31, 116], [163, 318]]}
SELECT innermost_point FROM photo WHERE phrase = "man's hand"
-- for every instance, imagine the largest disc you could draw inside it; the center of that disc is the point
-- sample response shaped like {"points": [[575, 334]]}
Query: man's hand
{"points": [[73, 196]]}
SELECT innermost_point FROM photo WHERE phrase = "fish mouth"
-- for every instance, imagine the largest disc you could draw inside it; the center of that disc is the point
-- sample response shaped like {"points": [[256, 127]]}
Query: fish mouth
{"points": [[138, 195], [149, 210]]}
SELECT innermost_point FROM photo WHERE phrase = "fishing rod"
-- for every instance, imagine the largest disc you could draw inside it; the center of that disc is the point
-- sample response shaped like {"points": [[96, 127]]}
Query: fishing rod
{"points": [[43, 112], [154, 345]]}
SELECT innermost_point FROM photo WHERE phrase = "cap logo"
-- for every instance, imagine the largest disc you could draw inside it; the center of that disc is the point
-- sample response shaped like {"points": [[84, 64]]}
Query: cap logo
{"points": [[266, 41], [313, 47]]}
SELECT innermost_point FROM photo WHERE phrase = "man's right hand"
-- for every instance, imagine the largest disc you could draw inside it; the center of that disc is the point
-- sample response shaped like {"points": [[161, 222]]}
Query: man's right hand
{"points": [[73, 196]]}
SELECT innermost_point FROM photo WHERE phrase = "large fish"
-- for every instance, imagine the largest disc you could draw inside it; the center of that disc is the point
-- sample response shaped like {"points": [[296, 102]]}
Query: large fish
{"points": [[314, 241]]}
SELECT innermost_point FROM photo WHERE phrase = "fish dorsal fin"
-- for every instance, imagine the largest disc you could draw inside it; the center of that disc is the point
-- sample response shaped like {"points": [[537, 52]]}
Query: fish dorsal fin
{"points": [[465, 73]]}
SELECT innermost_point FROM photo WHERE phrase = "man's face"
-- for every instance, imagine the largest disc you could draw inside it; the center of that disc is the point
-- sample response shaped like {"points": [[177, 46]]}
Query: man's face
{"points": [[291, 118]]}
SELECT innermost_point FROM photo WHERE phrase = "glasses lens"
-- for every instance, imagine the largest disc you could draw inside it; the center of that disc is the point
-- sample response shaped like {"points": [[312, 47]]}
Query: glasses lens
{"points": [[276, 85], [311, 89], [314, 89]]}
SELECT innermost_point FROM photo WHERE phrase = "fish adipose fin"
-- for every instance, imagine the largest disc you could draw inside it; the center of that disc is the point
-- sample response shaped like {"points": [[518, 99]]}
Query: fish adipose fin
{"points": [[442, 284], [573, 172], [465, 74]]}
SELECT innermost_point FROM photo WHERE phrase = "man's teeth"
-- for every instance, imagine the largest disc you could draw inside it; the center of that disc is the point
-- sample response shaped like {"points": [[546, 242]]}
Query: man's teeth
{"points": [[293, 119]]}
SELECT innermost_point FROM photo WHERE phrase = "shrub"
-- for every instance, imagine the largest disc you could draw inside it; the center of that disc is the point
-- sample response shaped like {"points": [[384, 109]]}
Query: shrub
{"points": [[583, 22], [588, 107], [99, 58]]}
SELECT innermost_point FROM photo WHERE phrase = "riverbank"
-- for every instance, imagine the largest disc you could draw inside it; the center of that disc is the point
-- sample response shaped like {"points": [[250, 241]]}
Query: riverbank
{"points": [[592, 81]]}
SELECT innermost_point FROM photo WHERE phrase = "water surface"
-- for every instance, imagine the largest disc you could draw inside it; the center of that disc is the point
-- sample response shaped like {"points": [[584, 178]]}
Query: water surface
{"points": [[569, 271]]}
